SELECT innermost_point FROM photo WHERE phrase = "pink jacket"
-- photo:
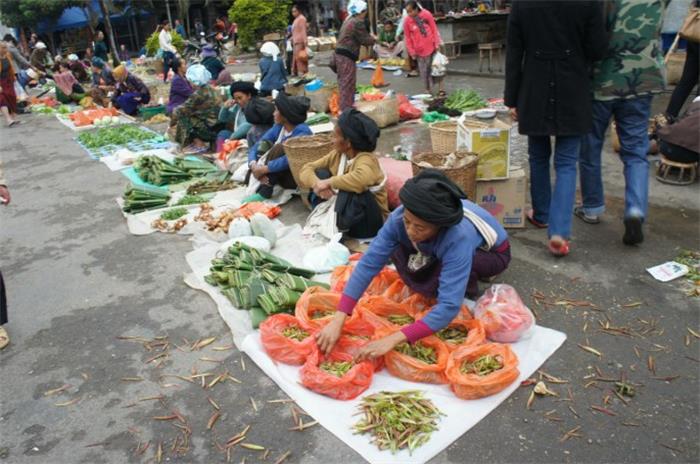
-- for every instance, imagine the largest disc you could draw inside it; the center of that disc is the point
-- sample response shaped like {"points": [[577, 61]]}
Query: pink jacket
{"points": [[417, 43], [299, 26]]}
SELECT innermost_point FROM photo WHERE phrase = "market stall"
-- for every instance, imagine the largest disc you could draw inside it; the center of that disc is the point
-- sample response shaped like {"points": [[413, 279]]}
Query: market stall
{"points": [[471, 29]]}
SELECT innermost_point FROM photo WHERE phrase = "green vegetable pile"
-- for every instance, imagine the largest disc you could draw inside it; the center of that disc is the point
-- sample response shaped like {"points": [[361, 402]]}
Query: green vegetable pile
{"points": [[138, 199], [400, 319], [157, 171], [320, 314], [398, 420], [454, 335], [319, 118], [484, 365], [465, 100], [295, 333], [115, 136], [212, 183], [337, 368], [419, 351], [191, 200], [258, 281], [172, 214]]}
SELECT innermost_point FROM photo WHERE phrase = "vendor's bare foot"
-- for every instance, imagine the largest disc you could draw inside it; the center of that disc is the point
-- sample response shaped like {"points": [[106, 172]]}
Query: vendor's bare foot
{"points": [[4, 338]]}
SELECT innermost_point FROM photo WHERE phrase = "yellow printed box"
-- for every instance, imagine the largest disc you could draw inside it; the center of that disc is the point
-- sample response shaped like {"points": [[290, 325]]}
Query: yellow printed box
{"points": [[490, 141]]}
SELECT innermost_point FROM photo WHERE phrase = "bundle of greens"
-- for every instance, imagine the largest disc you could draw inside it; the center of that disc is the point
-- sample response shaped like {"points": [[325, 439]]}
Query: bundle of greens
{"points": [[484, 365], [138, 199], [174, 213], [256, 280], [212, 182], [419, 351], [465, 100], [115, 136], [191, 200]]}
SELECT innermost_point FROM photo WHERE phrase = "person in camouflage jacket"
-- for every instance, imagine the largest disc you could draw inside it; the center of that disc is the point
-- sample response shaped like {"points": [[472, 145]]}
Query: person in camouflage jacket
{"points": [[624, 82]]}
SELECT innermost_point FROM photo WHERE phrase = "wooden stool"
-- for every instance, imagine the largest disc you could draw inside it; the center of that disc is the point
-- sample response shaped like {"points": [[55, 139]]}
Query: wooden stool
{"points": [[686, 172], [452, 49], [490, 47]]}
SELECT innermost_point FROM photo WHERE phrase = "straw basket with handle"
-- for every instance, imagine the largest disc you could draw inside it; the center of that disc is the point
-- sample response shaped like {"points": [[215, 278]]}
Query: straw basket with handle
{"points": [[674, 61], [443, 134], [464, 176], [302, 150]]}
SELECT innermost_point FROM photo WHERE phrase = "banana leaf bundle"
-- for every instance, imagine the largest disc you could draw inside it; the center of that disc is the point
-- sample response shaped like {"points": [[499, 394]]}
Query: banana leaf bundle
{"points": [[278, 300], [297, 283]]}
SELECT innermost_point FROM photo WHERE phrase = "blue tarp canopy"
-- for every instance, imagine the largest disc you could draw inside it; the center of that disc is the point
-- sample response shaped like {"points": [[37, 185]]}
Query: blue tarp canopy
{"points": [[77, 17]]}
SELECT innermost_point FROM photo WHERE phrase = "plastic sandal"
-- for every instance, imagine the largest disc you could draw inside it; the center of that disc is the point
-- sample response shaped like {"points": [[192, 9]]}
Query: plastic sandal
{"points": [[559, 248]]}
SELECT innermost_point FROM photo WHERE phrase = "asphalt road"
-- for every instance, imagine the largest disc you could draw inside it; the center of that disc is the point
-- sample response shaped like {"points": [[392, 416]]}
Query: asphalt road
{"points": [[77, 280]]}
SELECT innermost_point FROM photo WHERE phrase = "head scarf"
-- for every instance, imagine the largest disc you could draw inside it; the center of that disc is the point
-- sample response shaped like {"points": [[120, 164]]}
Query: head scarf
{"points": [[72, 57], [98, 63], [434, 198], [259, 111], [119, 72], [293, 108], [208, 51], [356, 7], [40, 45], [360, 129], [243, 87], [198, 74], [270, 49]]}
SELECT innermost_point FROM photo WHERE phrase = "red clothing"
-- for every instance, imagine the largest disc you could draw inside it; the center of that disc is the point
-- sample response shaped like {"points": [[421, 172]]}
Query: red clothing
{"points": [[418, 44], [8, 97], [299, 31]]}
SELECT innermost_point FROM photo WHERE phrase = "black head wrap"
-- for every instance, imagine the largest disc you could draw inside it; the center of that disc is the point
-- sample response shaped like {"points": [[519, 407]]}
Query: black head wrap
{"points": [[433, 197], [243, 87], [259, 111], [293, 109], [360, 129]]}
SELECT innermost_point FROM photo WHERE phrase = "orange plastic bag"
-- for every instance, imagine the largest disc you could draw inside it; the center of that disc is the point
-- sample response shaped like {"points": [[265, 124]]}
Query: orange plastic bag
{"points": [[283, 349], [340, 277], [349, 386], [378, 77], [504, 315], [317, 306], [249, 209], [356, 334], [382, 281], [473, 386], [475, 333], [401, 293], [379, 311], [409, 368], [334, 103]]}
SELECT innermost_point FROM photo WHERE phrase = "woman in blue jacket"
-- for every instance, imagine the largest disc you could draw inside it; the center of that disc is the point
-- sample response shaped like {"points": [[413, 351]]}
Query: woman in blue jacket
{"points": [[441, 245], [272, 71], [266, 159]]}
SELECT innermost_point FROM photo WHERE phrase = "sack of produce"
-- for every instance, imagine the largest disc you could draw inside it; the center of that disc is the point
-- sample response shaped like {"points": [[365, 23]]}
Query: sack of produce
{"points": [[356, 334], [477, 371], [336, 375], [340, 277], [285, 340], [316, 308], [505, 317], [382, 312], [423, 361], [406, 109], [263, 227], [460, 333]]}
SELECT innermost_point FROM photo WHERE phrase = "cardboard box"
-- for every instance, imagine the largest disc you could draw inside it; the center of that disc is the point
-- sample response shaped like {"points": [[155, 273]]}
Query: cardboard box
{"points": [[505, 199], [491, 144]]}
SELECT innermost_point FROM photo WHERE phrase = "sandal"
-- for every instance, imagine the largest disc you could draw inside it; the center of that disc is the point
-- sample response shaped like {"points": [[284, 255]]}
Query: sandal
{"points": [[531, 219], [4, 338], [13, 123], [412, 74], [558, 247]]}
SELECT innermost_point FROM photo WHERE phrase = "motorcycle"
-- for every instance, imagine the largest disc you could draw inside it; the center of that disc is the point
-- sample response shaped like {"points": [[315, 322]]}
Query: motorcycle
{"points": [[194, 46]]}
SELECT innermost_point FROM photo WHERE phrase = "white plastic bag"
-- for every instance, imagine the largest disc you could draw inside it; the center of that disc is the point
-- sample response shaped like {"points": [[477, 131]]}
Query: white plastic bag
{"points": [[323, 220], [239, 227], [327, 257], [439, 66]]}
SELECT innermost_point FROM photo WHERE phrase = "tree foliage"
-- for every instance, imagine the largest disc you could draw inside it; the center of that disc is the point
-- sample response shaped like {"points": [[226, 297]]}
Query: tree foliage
{"points": [[256, 18], [29, 13], [152, 44]]}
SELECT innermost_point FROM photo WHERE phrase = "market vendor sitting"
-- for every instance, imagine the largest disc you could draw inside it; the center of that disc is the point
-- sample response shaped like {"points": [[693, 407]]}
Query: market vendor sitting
{"points": [[102, 81], [233, 113], [197, 120], [352, 173], [130, 92], [211, 61], [441, 245], [68, 89], [387, 46], [180, 87], [78, 68], [266, 159], [260, 113]]}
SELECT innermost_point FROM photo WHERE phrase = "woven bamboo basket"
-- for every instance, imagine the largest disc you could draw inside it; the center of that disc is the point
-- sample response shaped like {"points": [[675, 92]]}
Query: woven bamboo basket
{"points": [[443, 134], [302, 150], [463, 176], [384, 112]]}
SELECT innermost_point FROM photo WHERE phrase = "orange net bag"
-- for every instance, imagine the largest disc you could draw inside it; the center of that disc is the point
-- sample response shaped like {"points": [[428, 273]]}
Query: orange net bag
{"points": [[463, 367], [347, 386], [282, 348], [462, 333], [381, 312], [407, 367]]}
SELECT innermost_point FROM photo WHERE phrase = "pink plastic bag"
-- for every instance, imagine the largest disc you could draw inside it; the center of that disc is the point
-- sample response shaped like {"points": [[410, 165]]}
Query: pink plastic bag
{"points": [[397, 173], [505, 317]]}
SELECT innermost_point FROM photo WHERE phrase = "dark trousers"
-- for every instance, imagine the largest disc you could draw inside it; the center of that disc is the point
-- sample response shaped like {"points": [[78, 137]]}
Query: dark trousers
{"points": [[3, 302], [677, 153], [689, 79], [168, 58], [487, 264]]}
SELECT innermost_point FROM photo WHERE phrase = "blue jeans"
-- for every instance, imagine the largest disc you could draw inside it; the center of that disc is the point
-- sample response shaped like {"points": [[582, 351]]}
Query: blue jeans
{"points": [[554, 207], [632, 120]]}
